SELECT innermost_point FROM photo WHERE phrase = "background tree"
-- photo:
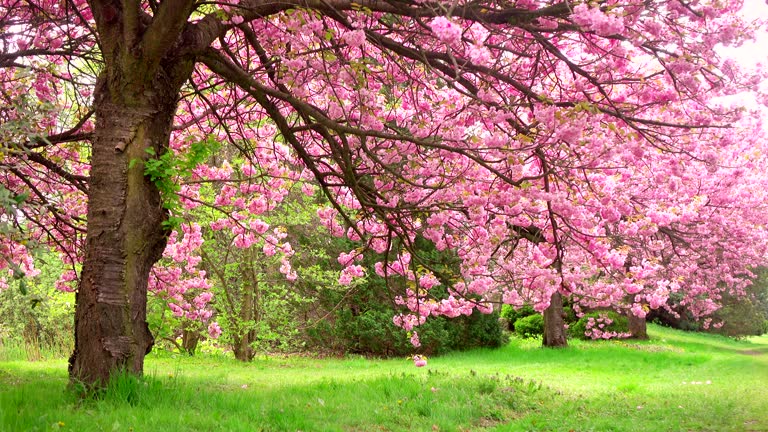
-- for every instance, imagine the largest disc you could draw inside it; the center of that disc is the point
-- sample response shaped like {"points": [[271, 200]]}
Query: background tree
{"points": [[35, 315], [259, 308]]}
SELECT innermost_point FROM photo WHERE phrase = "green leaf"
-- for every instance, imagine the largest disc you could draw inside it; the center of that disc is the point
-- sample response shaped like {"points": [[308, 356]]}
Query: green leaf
{"points": [[20, 198], [23, 287]]}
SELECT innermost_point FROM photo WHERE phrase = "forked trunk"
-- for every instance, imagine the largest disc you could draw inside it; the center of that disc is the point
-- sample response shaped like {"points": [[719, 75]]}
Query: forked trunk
{"points": [[637, 326], [554, 323], [125, 236]]}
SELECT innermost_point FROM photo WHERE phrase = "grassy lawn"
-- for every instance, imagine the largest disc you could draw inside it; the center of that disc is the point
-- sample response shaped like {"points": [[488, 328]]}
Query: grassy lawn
{"points": [[675, 382]]}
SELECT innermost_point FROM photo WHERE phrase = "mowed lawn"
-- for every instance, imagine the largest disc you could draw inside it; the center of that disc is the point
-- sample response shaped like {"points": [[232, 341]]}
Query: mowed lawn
{"points": [[675, 382]]}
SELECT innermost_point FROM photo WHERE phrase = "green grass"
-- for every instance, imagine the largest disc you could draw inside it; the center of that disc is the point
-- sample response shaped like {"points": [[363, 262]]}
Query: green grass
{"points": [[675, 382]]}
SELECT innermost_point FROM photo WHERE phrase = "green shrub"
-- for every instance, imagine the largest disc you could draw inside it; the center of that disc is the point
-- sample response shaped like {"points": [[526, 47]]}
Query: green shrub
{"points": [[475, 331], [744, 315], [361, 323], [509, 313], [569, 315], [600, 325], [530, 326], [359, 320], [372, 332]]}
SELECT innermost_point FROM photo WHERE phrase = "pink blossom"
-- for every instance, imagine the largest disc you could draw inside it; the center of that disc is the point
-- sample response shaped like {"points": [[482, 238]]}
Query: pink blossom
{"points": [[596, 20], [214, 331], [354, 38], [259, 226], [428, 281], [446, 30], [308, 189], [176, 309], [415, 339], [269, 248], [349, 273], [478, 54], [638, 311], [419, 360], [258, 206]]}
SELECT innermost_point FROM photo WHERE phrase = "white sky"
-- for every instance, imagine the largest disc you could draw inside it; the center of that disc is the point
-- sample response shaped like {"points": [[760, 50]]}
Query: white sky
{"points": [[757, 51], [752, 54]]}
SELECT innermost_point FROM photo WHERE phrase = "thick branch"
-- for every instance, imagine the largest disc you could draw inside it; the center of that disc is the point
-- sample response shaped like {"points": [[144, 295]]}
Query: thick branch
{"points": [[165, 29], [203, 33], [131, 27]]}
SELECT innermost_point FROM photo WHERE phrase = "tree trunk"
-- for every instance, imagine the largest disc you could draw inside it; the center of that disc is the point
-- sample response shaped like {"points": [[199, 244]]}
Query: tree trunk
{"points": [[242, 346], [554, 324], [189, 340], [637, 326], [125, 236]]}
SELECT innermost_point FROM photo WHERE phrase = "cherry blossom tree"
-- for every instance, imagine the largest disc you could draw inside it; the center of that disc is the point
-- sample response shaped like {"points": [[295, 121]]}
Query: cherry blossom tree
{"points": [[561, 148]]}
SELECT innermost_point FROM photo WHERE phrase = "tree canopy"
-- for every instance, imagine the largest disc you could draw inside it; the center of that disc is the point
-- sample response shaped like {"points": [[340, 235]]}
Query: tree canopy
{"points": [[559, 148]]}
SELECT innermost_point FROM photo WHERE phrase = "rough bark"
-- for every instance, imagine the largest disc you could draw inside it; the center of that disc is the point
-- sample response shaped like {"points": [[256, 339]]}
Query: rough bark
{"points": [[124, 239], [637, 327], [554, 323], [125, 235]]}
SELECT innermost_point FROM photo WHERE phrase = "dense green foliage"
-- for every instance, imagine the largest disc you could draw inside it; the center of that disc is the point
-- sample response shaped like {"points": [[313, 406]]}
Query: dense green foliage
{"points": [[37, 318], [362, 323], [512, 314], [618, 323], [360, 319], [530, 326], [166, 169], [745, 316]]}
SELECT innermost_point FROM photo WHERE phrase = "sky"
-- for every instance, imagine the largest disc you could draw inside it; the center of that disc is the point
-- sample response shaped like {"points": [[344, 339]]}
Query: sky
{"points": [[757, 51], [751, 54]]}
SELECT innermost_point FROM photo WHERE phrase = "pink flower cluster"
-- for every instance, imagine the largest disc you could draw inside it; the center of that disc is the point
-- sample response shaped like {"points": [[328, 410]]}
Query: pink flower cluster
{"points": [[214, 331], [446, 30], [597, 329], [419, 360], [596, 20], [354, 38]]}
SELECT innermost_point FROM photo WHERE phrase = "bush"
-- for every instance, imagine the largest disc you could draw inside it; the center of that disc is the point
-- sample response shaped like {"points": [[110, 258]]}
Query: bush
{"points": [[744, 315], [475, 331], [569, 315], [372, 332], [359, 319], [530, 326], [600, 325], [361, 323], [509, 313]]}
